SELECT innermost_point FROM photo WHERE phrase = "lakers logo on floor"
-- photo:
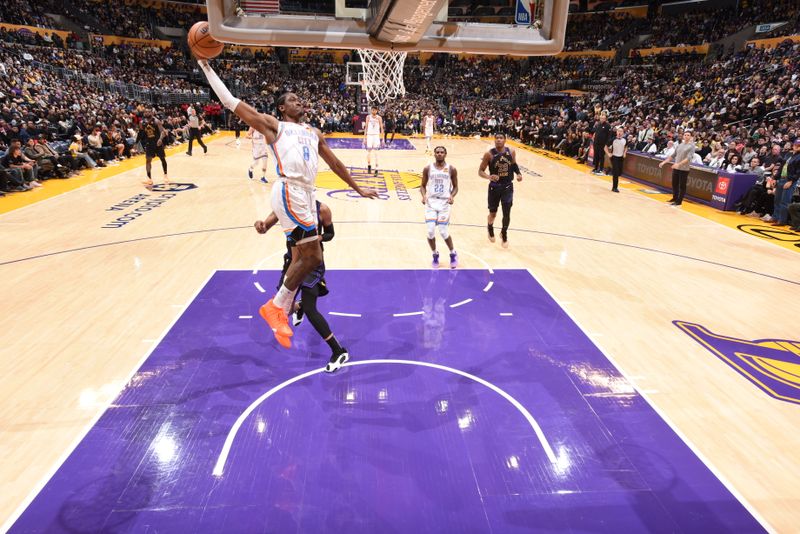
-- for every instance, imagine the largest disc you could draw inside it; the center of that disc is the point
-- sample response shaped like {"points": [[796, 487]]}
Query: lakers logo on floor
{"points": [[784, 235], [390, 184], [771, 364]]}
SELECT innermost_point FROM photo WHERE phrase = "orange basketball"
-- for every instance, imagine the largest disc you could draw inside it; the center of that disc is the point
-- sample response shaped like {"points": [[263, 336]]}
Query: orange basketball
{"points": [[202, 45]]}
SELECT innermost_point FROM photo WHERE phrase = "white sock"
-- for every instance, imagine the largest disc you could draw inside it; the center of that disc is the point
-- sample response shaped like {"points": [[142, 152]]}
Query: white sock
{"points": [[284, 298]]}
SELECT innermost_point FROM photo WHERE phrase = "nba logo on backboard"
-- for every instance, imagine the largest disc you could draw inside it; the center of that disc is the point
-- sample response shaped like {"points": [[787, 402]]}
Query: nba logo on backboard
{"points": [[523, 13], [722, 185]]}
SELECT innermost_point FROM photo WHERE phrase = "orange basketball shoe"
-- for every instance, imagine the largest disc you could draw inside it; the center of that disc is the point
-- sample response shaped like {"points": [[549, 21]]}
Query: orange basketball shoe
{"points": [[284, 341], [277, 320]]}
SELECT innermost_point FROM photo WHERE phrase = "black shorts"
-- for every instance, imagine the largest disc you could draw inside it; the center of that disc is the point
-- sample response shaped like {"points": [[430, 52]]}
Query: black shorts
{"points": [[298, 234], [314, 281], [500, 193], [152, 151]]}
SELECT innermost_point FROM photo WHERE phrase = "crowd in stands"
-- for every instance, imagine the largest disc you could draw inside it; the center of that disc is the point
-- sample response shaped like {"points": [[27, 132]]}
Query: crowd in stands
{"points": [[603, 31], [52, 130], [30, 38], [27, 13], [742, 108]]}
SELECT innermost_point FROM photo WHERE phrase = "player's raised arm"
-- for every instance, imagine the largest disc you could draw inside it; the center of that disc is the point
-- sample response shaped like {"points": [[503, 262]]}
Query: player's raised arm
{"points": [[482, 169], [266, 124], [339, 168]]}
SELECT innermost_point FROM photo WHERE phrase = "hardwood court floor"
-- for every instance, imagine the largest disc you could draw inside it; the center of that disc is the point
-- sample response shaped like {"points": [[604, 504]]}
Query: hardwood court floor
{"points": [[89, 284]]}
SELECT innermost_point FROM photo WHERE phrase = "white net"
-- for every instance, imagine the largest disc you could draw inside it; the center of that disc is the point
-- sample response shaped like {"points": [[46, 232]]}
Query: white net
{"points": [[383, 74]]}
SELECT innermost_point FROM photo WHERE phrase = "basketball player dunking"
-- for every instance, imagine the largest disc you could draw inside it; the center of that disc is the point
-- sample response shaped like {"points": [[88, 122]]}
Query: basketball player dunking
{"points": [[373, 133], [297, 148], [152, 136], [259, 153], [502, 163], [429, 122], [312, 287], [439, 188]]}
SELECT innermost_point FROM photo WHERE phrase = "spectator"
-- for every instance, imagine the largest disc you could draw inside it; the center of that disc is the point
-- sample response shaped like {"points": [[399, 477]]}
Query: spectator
{"points": [[785, 186], [14, 159]]}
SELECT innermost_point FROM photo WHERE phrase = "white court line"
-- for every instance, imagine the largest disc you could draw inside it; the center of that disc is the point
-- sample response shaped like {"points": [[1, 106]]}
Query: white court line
{"points": [[219, 467], [269, 257], [460, 251], [360, 238], [407, 314], [342, 314], [506, 314], [245, 317], [39, 486], [457, 304], [749, 507]]}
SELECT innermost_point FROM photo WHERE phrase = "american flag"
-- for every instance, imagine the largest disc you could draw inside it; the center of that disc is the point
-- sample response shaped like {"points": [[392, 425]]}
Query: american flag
{"points": [[260, 6]]}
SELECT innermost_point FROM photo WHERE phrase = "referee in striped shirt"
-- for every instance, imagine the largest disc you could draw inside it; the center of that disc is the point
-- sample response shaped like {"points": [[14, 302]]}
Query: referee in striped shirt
{"points": [[194, 131], [618, 151]]}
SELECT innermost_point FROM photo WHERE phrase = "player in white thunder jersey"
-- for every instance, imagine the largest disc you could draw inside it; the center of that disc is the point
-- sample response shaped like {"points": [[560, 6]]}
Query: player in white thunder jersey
{"points": [[373, 134], [429, 122], [259, 153], [297, 148], [439, 188]]}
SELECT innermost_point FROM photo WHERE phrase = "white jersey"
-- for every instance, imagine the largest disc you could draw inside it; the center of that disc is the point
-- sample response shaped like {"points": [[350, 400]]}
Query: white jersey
{"points": [[259, 139], [259, 145], [440, 185], [373, 125], [296, 152], [428, 126]]}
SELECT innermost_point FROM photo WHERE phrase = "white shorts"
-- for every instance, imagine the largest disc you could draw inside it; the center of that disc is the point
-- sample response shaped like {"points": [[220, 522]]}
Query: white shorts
{"points": [[259, 151], [373, 141], [294, 205], [428, 133], [438, 210]]}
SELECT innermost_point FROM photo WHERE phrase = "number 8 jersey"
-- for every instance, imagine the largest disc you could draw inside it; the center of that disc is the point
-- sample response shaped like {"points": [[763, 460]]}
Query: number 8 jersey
{"points": [[296, 150]]}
